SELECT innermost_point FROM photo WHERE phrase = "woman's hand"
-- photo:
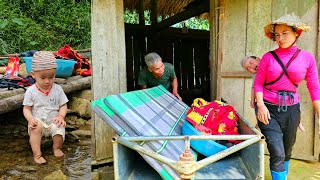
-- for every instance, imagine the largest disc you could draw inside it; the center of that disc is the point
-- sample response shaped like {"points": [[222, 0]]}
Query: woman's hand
{"points": [[319, 122], [263, 114], [316, 104]]}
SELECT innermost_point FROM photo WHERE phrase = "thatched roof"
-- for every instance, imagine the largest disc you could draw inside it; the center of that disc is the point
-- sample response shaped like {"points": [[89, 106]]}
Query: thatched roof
{"points": [[164, 7]]}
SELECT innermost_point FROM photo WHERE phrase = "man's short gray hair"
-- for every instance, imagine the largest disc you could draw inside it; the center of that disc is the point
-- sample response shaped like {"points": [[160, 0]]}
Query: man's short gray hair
{"points": [[244, 60], [152, 58]]}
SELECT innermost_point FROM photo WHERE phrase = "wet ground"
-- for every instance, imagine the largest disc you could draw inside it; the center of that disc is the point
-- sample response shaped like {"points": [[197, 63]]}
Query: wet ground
{"points": [[16, 160], [298, 170]]}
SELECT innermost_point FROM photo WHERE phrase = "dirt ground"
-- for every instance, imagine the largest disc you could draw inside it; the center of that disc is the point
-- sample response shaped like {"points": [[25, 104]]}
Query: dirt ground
{"points": [[298, 170]]}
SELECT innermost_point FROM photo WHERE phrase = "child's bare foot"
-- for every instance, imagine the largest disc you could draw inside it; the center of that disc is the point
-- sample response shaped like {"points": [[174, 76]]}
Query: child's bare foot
{"points": [[39, 159], [58, 152]]}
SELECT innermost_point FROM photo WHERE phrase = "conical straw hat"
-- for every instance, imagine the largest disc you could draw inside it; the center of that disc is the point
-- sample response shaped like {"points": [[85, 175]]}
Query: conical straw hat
{"points": [[290, 20]]}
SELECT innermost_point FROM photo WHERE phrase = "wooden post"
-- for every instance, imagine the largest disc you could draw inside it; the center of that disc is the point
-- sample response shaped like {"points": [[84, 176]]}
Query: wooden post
{"points": [[109, 68], [317, 55], [142, 42], [154, 13], [141, 13], [214, 62]]}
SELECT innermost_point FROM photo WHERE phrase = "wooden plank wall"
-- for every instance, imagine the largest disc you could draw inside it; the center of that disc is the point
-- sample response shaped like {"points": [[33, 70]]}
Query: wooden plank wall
{"points": [[241, 28], [189, 53], [109, 69]]}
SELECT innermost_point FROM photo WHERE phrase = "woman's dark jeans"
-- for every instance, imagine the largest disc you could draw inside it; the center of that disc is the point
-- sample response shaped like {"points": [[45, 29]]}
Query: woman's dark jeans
{"points": [[280, 134]]}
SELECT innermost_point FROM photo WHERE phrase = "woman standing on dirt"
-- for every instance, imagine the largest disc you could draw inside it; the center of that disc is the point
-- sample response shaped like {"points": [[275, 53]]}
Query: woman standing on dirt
{"points": [[278, 102]]}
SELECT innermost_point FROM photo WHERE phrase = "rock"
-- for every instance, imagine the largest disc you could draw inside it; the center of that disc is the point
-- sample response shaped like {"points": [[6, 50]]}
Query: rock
{"points": [[80, 121], [14, 177], [85, 94], [69, 121], [22, 121], [46, 142], [82, 132], [57, 175], [14, 172], [24, 133], [89, 122], [5, 131], [106, 172], [19, 128], [3, 70], [29, 177], [19, 149], [82, 107], [94, 175], [71, 118], [84, 143], [70, 111], [71, 127], [26, 168], [23, 70], [60, 81], [71, 137]]}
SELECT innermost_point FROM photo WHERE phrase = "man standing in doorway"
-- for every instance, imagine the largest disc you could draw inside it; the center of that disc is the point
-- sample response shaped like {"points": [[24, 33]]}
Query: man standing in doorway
{"points": [[157, 73]]}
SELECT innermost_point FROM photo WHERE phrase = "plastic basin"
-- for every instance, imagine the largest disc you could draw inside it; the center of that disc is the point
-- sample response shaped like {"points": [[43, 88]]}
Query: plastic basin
{"points": [[204, 147], [64, 69]]}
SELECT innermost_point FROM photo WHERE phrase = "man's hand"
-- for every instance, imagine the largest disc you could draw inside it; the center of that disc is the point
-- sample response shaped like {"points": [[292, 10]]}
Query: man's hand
{"points": [[175, 93]]}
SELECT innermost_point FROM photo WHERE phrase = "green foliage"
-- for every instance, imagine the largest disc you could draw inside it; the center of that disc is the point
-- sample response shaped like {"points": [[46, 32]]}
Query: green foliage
{"points": [[192, 23], [44, 24], [133, 17], [49, 24]]}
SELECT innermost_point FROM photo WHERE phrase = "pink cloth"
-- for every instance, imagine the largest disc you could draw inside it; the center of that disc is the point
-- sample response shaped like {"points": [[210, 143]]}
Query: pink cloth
{"points": [[303, 67]]}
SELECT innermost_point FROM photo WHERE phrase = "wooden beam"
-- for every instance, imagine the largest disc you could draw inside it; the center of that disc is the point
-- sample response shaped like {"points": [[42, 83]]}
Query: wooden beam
{"points": [[317, 123], [239, 74], [215, 66], [175, 33], [108, 67], [184, 15], [141, 12], [154, 12]]}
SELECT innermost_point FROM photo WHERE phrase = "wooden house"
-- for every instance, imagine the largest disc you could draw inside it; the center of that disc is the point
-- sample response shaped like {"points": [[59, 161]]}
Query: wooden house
{"points": [[236, 30]]}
